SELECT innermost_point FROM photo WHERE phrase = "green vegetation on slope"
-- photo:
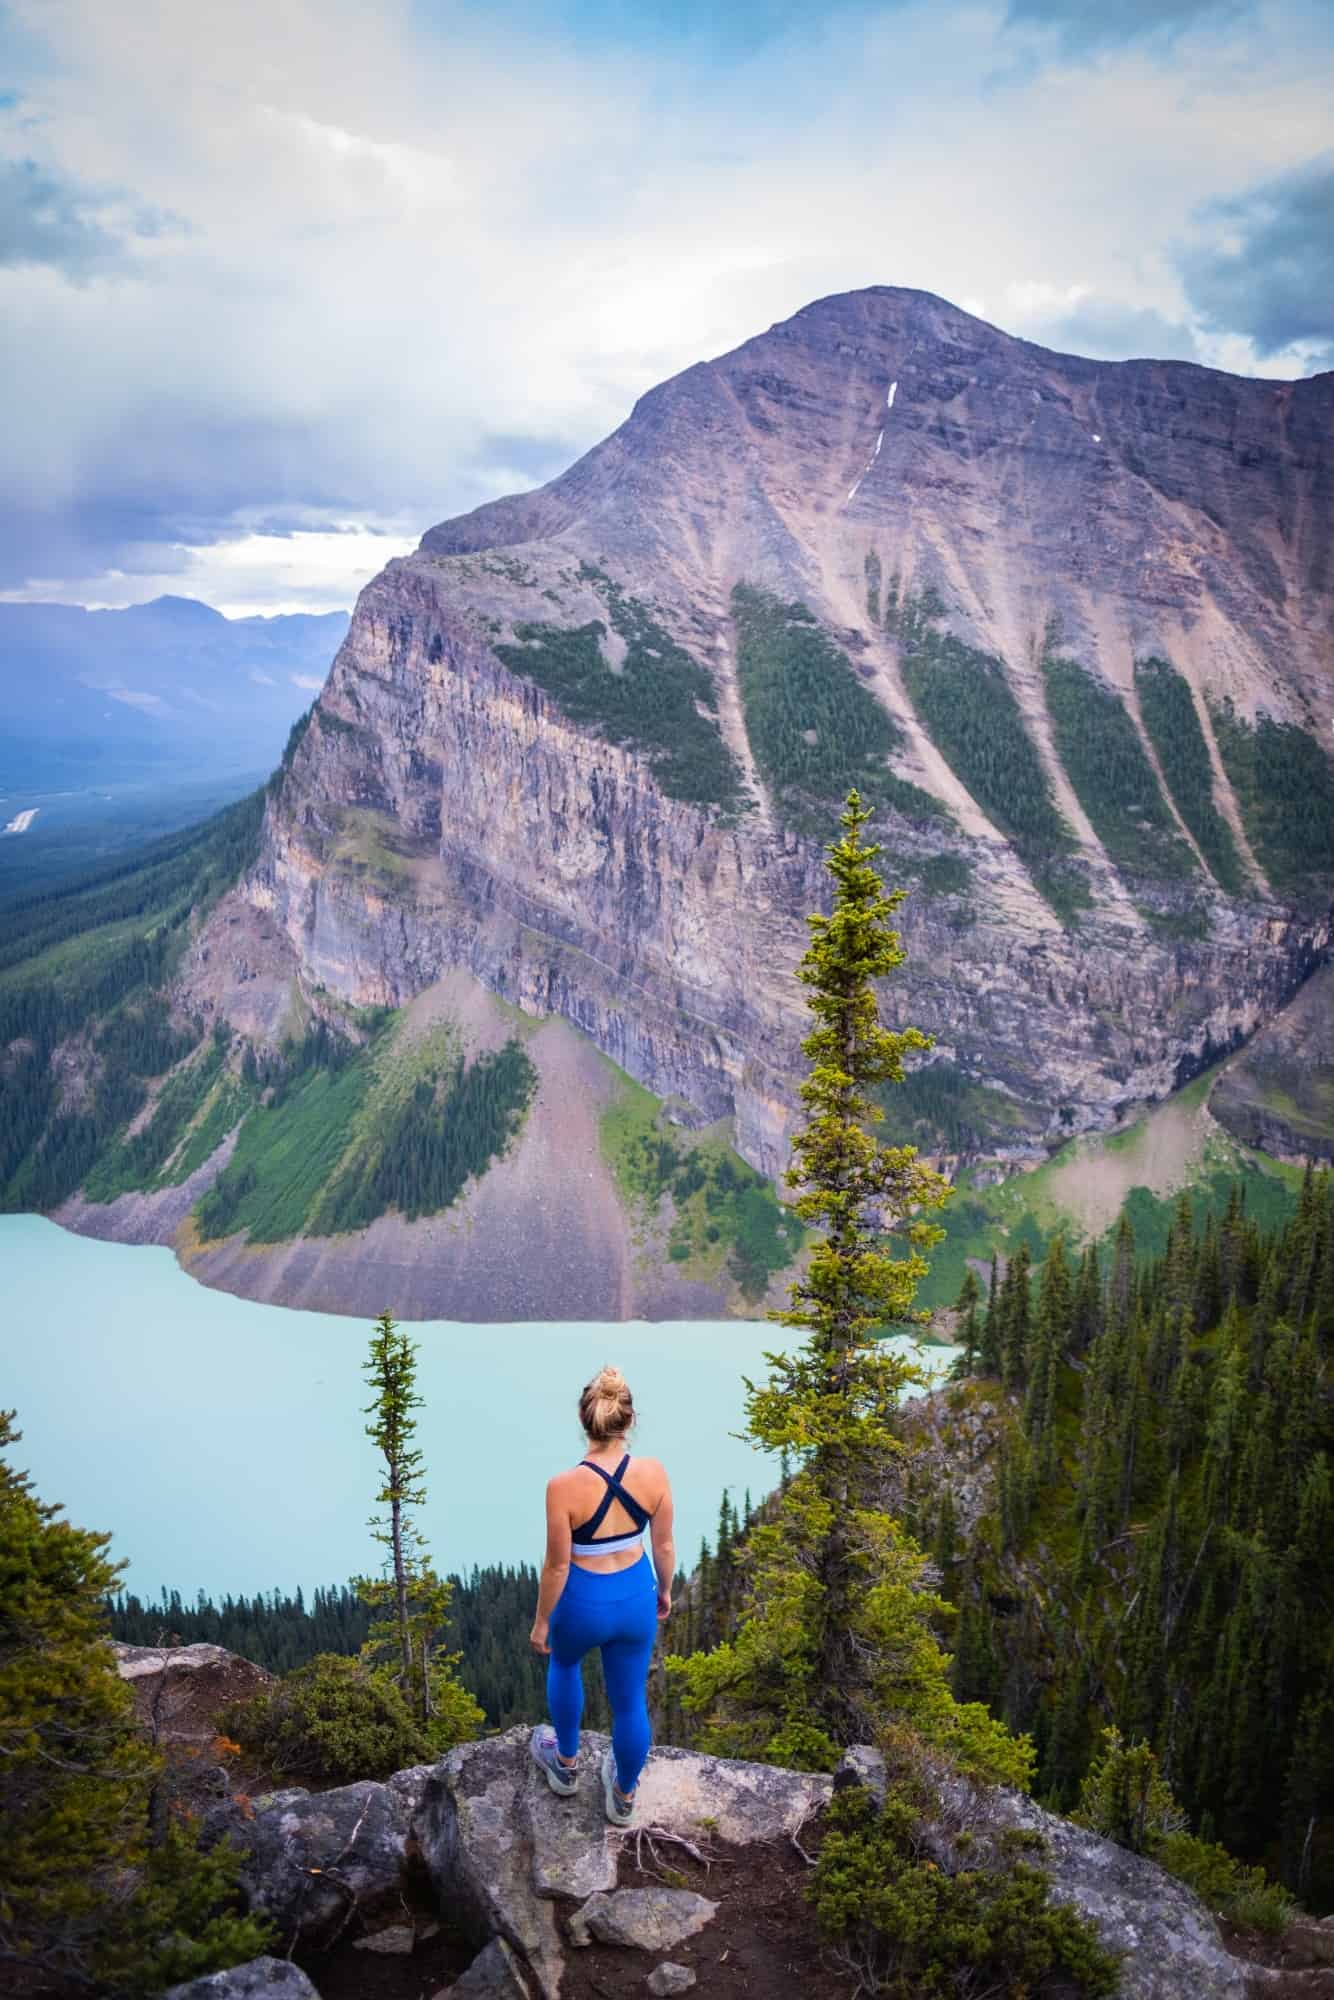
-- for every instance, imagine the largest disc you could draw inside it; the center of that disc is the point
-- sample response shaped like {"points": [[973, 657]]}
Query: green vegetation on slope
{"points": [[1079, 1191], [346, 1132], [1114, 781], [1284, 782], [725, 1215], [942, 1109], [146, 1159], [969, 711], [446, 1132], [814, 730], [652, 702], [81, 964], [1160, 1553], [1174, 730]]}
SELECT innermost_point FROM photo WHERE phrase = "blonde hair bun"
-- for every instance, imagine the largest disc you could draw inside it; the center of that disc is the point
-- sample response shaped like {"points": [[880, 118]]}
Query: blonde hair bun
{"points": [[606, 1408]]}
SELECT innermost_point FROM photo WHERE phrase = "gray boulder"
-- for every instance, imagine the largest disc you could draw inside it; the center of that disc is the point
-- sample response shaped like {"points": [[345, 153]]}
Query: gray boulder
{"points": [[259, 1979], [648, 1919], [315, 1862], [1171, 1947], [180, 1691], [666, 1979], [495, 1974]]}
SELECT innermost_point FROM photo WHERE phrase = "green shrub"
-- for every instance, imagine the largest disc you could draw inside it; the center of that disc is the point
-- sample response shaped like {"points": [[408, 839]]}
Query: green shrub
{"points": [[1126, 1798], [1261, 1905], [1244, 1894], [333, 1719], [906, 1925]]}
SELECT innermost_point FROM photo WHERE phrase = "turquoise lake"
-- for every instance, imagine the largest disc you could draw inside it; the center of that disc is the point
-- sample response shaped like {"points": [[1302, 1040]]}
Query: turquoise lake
{"points": [[221, 1442]]}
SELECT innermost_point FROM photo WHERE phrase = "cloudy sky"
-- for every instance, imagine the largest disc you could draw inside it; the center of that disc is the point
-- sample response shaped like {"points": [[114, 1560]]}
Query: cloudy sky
{"points": [[283, 283]]}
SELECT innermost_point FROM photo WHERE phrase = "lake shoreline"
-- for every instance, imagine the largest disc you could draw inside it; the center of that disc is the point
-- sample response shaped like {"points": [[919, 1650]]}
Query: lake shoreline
{"points": [[222, 1441]]}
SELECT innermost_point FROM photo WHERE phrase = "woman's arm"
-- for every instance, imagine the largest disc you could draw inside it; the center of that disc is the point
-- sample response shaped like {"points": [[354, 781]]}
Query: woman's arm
{"points": [[664, 1548], [556, 1564]]}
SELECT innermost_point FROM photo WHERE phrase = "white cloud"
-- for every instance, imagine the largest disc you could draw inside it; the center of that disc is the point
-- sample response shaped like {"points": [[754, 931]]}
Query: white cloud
{"points": [[310, 682], [152, 704], [251, 574], [400, 244], [262, 680]]}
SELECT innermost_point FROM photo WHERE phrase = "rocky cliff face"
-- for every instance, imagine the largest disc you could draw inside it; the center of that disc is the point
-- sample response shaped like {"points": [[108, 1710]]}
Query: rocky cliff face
{"points": [[582, 773]]}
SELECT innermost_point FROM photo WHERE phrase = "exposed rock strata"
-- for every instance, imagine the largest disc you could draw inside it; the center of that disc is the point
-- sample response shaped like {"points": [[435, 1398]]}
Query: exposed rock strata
{"points": [[1278, 1093]]}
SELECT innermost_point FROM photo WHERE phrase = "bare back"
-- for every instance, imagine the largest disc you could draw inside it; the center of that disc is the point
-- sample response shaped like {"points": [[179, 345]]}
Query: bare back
{"points": [[581, 1491]]}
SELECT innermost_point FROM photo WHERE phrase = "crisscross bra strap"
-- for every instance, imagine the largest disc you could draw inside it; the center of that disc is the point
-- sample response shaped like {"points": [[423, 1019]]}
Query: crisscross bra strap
{"points": [[587, 1531]]}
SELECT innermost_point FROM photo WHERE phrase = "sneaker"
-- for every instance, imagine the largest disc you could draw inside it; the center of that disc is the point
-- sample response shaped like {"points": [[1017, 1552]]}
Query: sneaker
{"points": [[562, 1778], [620, 1810]]}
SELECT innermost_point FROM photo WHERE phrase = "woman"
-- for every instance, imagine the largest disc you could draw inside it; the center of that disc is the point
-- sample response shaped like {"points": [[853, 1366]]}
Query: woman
{"points": [[598, 1589]]}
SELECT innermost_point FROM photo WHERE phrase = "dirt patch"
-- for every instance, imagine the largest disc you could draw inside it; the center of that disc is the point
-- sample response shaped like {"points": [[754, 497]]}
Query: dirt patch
{"points": [[1093, 1185], [762, 1942], [346, 1973]]}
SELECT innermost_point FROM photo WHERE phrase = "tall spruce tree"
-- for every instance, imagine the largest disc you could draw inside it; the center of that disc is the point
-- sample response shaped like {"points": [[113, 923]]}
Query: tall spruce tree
{"points": [[406, 1644], [835, 1637]]}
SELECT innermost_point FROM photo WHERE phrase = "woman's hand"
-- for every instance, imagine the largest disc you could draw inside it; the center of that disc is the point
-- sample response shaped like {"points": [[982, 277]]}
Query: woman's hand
{"points": [[537, 1638], [664, 1604]]}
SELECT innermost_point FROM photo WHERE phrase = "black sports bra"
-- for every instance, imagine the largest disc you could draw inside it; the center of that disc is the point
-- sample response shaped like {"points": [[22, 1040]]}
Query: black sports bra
{"points": [[585, 1536]]}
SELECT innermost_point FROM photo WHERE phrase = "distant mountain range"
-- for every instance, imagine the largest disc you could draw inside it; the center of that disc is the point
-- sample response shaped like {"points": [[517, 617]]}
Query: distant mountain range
{"points": [[104, 696]]}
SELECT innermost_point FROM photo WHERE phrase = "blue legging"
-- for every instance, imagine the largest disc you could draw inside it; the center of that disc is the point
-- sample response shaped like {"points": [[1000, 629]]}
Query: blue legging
{"points": [[616, 1610]]}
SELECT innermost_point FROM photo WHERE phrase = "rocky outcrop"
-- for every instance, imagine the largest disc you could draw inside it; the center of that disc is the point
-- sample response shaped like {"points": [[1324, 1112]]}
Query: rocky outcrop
{"points": [[1170, 1946], [258, 1979], [1278, 1092], [324, 1865], [479, 1844], [504, 1854], [180, 1691], [509, 1858]]}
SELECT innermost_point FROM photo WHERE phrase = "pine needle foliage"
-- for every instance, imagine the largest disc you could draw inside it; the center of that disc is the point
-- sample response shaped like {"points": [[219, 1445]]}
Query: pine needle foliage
{"points": [[836, 1633], [100, 1887]]}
